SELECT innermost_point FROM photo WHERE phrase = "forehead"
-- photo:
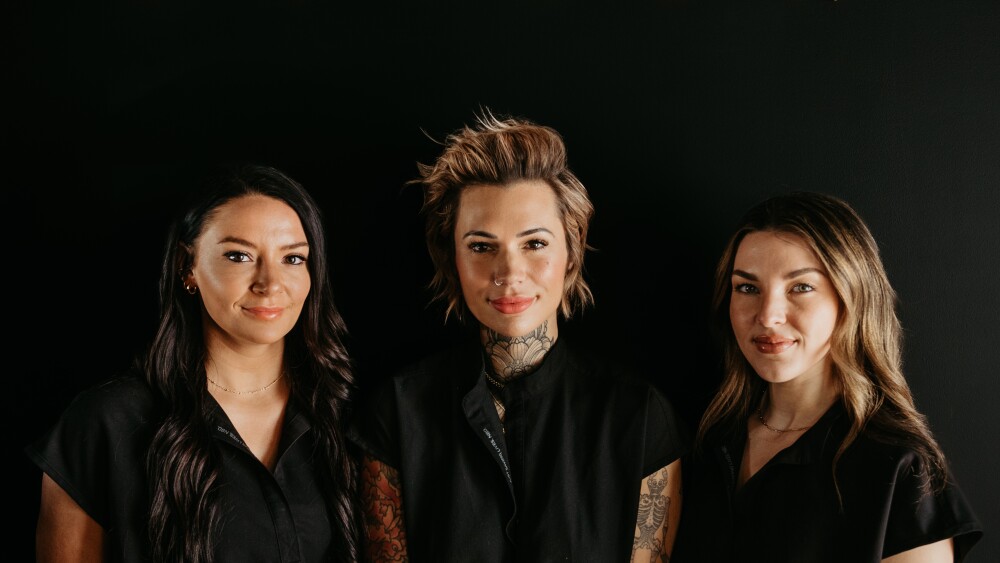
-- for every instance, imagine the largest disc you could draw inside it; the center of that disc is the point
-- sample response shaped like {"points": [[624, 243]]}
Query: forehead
{"points": [[253, 214], [773, 249], [519, 204]]}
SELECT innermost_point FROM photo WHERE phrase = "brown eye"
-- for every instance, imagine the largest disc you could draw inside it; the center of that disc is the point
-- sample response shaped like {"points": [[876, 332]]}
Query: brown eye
{"points": [[237, 256], [479, 247]]}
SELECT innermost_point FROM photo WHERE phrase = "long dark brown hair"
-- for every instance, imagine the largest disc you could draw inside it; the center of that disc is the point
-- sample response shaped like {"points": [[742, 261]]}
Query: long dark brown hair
{"points": [[182, 464]]}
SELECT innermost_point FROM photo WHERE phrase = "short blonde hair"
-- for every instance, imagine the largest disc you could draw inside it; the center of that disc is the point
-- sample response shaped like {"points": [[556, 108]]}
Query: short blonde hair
{"points": [[501, 151]]}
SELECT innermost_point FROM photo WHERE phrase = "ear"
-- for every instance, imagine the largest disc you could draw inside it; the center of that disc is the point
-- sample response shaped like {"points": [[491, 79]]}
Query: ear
{"points": [[187, 279], [184, 262]]}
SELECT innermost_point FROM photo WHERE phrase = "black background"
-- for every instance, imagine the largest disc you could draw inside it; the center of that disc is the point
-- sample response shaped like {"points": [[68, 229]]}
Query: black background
{"points": [[677, 116]]}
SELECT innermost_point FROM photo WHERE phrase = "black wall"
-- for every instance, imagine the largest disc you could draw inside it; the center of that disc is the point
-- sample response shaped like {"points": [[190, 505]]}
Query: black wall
{"points": [[677, 115]]}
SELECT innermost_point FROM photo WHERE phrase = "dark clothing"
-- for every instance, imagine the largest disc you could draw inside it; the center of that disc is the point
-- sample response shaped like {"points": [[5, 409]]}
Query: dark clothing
{"points": [[788, 511], [561, 483], [96, 453]]}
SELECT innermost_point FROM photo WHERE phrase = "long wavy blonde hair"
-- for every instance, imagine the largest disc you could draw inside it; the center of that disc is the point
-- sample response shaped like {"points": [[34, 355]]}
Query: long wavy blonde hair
{"points": [[866, 346]]}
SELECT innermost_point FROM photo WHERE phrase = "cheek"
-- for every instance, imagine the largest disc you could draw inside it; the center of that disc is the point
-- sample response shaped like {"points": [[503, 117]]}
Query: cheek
{"points": [[299, 284], [218, 283], [465, 269], [303, 288], [740, 316], [475, 268], [824, 323], [552, 269]]}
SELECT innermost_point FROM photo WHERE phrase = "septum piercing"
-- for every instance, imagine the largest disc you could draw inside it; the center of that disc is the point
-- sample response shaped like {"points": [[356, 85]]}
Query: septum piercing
{"points": [[497, 282]]}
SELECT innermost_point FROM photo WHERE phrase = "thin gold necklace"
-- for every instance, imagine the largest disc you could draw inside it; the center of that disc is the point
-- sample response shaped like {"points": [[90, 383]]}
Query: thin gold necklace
{"points": [[490, 378], [760, 417], [250, 392]]}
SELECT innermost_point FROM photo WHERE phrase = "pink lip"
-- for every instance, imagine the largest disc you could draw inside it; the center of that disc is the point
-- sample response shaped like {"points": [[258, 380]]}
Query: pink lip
{"points": [[511, 305], [264, 312], [772, 344]]}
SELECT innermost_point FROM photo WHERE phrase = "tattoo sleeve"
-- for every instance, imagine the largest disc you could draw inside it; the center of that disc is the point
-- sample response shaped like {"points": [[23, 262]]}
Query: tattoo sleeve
{"points": [[383, 506], [652, 522]]}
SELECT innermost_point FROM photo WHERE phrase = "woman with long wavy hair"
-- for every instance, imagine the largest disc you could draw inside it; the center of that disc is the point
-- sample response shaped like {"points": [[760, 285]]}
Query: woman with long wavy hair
{"points": [[225, 444], [813, 449]]}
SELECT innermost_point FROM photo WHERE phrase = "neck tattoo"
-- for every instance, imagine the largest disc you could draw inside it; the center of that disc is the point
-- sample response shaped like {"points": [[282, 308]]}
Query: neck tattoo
{"points": [[251, 391], [514, 357]]}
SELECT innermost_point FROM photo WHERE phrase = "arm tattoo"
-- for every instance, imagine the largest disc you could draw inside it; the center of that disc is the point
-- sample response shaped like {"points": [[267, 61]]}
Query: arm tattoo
{"points": [[383, 505], [652, 518]]}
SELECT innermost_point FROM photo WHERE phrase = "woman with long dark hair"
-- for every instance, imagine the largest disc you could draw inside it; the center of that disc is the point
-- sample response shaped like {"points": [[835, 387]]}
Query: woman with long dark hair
{"points": [[226, 443]]}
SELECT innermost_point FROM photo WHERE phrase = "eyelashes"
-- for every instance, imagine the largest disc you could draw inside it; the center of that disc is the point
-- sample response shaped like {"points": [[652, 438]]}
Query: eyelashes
{"points": [[481, 247], [239, 256], [751, 289]]}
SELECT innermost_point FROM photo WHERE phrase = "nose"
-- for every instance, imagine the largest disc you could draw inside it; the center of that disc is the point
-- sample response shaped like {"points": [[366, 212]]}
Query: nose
{"points": [[267, 279], [773, 308], [509, 268]]}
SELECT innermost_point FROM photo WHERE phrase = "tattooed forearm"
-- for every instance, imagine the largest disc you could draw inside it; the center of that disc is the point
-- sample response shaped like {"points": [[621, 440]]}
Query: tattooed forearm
{"points": [[651, 523], [383, 505]]}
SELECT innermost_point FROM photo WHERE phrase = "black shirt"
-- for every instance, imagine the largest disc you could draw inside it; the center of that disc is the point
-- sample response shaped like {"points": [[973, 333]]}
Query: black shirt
{"points": [[559, 481], [96, 453], [789, 512]]}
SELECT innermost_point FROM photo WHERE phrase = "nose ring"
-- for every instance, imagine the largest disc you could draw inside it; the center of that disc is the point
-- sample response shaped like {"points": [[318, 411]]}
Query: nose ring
{"points": [[497, 282]]}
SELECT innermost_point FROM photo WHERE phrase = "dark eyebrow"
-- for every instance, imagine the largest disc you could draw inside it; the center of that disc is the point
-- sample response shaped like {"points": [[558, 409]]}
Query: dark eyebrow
{"points": [[530, 232], [803, 271], [244, 242], [788, 276], [485, 234]]}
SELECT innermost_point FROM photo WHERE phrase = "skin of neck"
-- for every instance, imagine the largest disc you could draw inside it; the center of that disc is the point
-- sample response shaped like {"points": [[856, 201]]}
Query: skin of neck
{"points": [[243, 367], [801, 401], [513, 357]]}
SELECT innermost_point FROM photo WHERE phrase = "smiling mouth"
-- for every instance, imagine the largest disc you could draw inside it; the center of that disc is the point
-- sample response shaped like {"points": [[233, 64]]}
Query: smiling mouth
{"points": [[511, 305], [264, 312], [772, 345]]}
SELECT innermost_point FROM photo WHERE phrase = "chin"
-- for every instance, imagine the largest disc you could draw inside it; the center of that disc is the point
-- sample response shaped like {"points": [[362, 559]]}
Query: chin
{"points": [[510, 329], [776, 377]]}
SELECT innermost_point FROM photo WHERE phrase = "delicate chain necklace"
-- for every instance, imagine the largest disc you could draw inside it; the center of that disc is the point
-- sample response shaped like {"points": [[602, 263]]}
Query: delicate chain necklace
{"points": [[497, 403], [501, 410], [760, 417], [495, 383], [250, 392]]}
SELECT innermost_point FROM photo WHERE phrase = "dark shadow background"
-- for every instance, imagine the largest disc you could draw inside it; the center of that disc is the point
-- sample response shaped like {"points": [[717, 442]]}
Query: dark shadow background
{"points": [[677, 115]]}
